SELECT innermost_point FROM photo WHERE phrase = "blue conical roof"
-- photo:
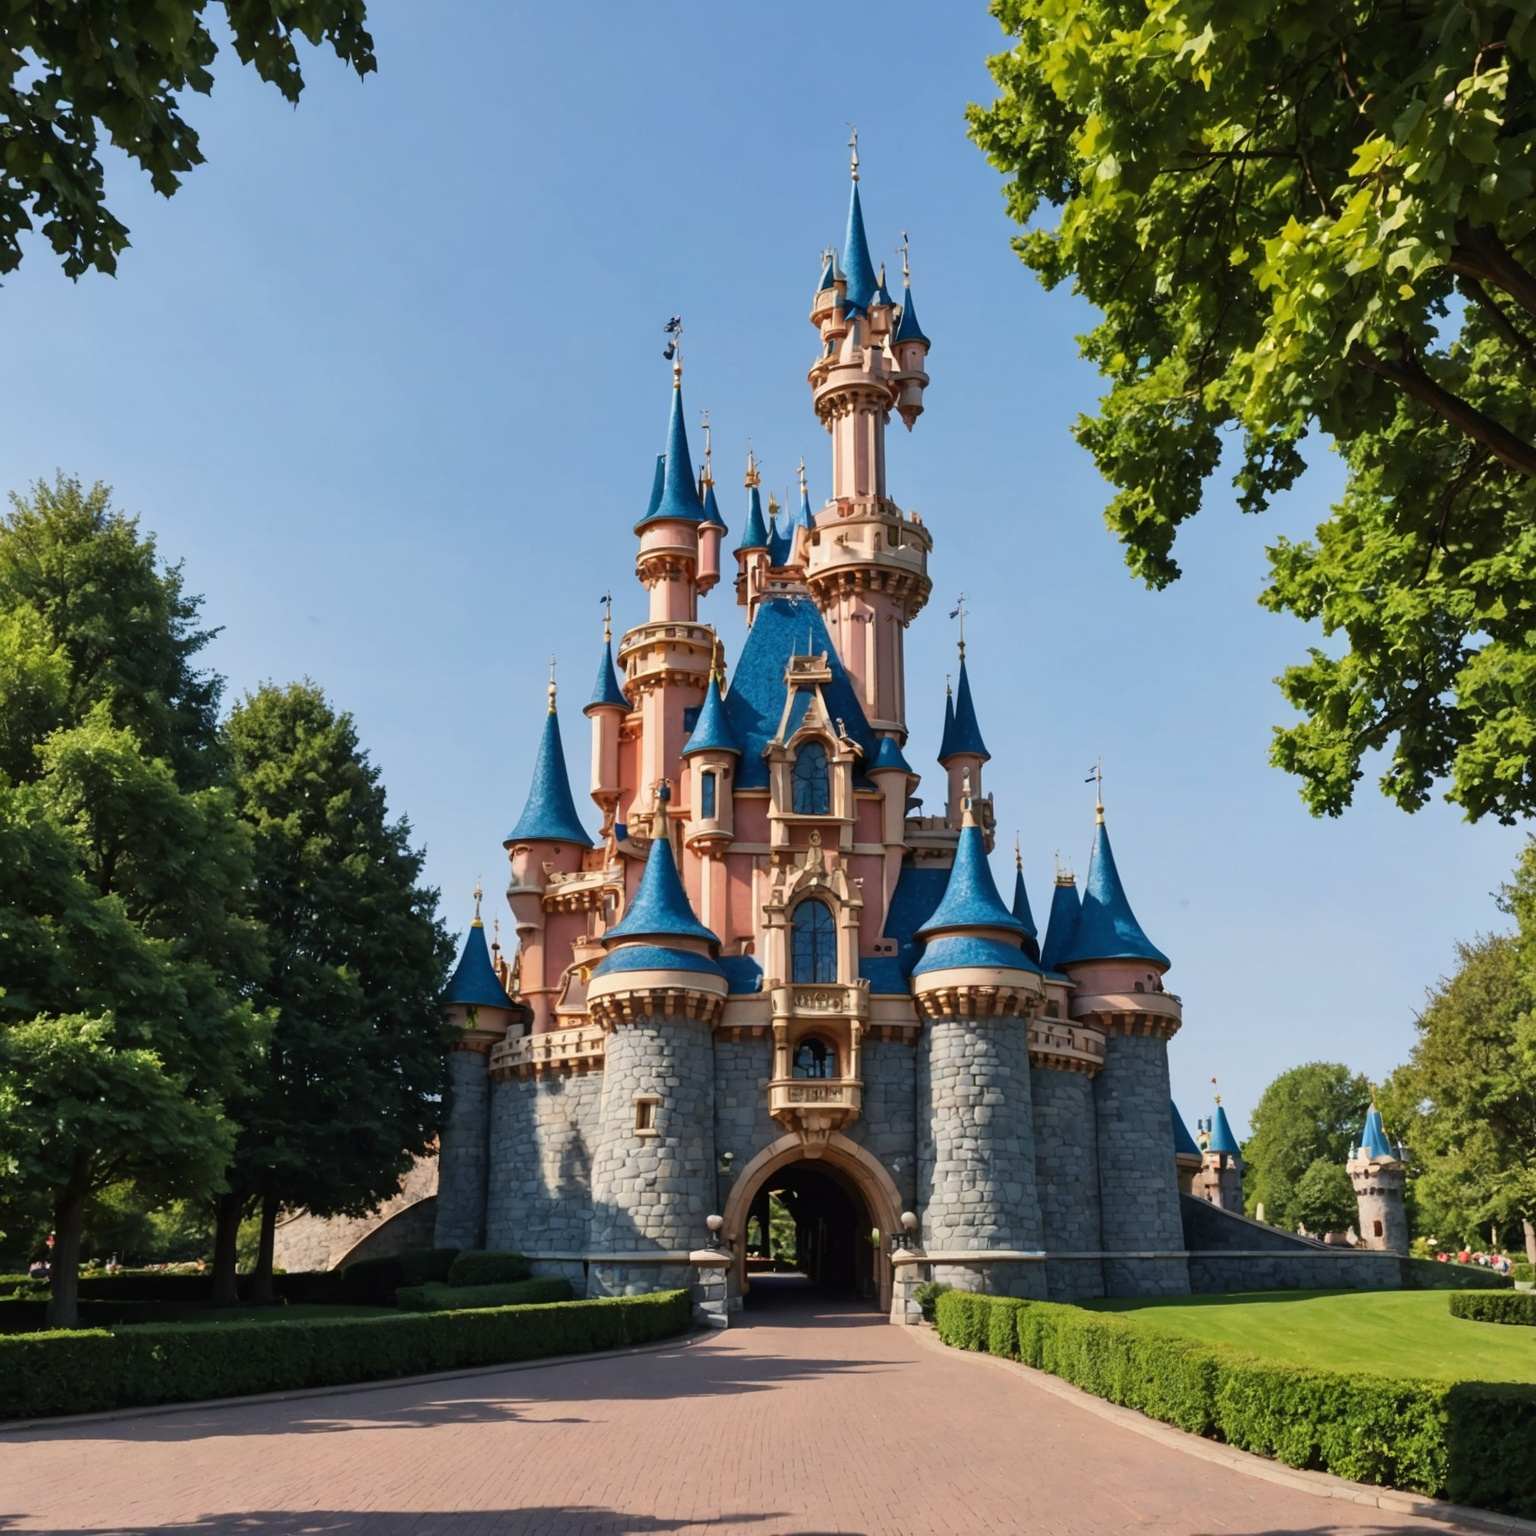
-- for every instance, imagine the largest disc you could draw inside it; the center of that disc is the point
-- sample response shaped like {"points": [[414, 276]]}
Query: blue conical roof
{"points": [[712, 730], [1021, 904], [549, 816], [1061, 925], [970, 898], [857, 267], [1107, 928], [474, 983], [803, 518], [712, 509], [964, 736], [946, 740], [907, 328], [828, 278], [882, 293], [679, 501], [658, 481], [781, 543], [1221, 1138], [755, 534], [1373, 1140], [888, 755], [607, 690], [1184, 1145], [661, 909]]}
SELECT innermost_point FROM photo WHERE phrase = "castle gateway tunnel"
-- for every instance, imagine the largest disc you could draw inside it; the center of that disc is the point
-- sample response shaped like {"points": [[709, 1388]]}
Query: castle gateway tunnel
{"points": [[810, 1218]]}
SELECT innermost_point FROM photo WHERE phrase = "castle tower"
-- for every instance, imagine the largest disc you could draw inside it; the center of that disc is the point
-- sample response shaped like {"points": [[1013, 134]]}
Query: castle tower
{"points": [[962, 751], [481, 1012], [867, 561], [548, 838], [712, 530], [711, 754], [1377, 1171], [1187, 1156], [1117, 973], [1220, 1179], [754, 553], [976, 990], [1020, 907], [657, 994], [606, 710]]}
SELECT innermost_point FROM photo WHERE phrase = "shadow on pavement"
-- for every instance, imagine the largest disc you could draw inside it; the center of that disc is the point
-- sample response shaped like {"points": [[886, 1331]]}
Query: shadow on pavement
{"points": [[589, 1520]]}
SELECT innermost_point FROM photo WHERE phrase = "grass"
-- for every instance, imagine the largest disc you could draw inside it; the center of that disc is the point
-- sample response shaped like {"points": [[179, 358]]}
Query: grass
{"points": [[1391, 1333]]}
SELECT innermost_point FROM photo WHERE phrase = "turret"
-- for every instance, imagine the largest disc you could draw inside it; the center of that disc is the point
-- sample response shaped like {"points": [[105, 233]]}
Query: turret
{"points": [[962, 751], [668, 561], [606, 710], [1379, 1174], [892, 775], [712, 753], [1220, 1179], [1187, 1156], [911, 349], [712, 530], [753, 553], [1020, 906]]}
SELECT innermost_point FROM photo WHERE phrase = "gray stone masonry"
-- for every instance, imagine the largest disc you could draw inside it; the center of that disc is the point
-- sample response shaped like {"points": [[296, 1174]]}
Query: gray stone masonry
{"points": [[743, 1126], [542, 1134], [1067, 1178], [463, 1151], [886, 1127], [653, 1191], [1138, 1187], [975, 1150], [1383, 1220]]}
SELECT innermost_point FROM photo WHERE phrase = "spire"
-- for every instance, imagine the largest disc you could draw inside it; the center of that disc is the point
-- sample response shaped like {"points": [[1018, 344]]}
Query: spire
{"points": [[1061, 926], [712, 731], [828, 278], [660, 909], [474, 983], [857, 267], [804, 519], [882, 293], [1107, 928], [1184, 1145], [888, 757], [1220, 1137], [549, 815], [755, 534], [657, 482], [781, 542], [946, 741], [679, 498], [607, 692], [907, 328], [964, 735], [712, 509], [1021, 904], [1373, 1139]]}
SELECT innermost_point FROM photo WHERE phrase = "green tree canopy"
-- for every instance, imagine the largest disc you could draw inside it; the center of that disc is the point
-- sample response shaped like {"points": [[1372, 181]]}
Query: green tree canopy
{"points": [[1303, 218], [1310, 1114], [1324, 1198], [71, 72]]}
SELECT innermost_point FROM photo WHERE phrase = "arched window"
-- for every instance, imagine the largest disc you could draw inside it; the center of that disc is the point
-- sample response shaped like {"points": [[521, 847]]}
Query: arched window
{"points": [[707, 795], [814, 936], [815, 1058], [813, 781]]}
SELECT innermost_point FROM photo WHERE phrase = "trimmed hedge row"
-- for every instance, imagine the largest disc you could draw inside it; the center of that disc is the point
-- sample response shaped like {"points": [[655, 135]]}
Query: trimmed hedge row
{"points": [[79, 1372], [1473, 1442], [449, 1298], [477, 1266], [1517, 1307]]}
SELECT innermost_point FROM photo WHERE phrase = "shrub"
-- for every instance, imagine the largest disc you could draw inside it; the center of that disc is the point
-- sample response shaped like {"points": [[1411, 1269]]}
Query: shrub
{"points": [[481, 1267], [449, 1298], [78, 1372], [426, 1266], [1518, 1307], [1522, 1271], [1474, 1442], [927, 1293]]}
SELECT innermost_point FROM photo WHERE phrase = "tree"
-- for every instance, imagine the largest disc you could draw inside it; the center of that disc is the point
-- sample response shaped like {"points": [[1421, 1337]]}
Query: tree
{"points": [[1310, 1114], [1296, 219], [68, 72], [355, 1067], [1324, 1198]]}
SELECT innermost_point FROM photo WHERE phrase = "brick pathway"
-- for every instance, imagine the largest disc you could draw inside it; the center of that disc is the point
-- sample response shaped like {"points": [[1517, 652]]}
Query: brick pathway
{"points": [[806, 1420]]}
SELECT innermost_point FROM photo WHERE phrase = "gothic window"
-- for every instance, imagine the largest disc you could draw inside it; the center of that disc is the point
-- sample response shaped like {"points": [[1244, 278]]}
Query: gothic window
{"points": [[812, 781], [707, 796], [814, 936], [815, 1058]]}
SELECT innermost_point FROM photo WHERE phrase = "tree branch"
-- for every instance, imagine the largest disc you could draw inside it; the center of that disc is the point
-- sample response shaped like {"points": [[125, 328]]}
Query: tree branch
{"points": [[1479, 253], [1499, 320]]}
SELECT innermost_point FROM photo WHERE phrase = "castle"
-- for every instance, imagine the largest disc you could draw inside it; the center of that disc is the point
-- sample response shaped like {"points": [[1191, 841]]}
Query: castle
{"points": [[769, 972]]}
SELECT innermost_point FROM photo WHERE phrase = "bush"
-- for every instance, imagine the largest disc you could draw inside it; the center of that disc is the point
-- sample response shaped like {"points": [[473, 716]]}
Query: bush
{"points": [[1474, 1442], [426, 1266], [451, 1298], [927, 1294], [1518, 1307], [79, 1372], [480, 1267], [1522, 1271]]}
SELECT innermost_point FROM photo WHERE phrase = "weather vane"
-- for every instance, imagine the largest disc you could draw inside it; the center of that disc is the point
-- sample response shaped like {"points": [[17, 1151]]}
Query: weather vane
{"points": [[853, 151], [478, 894], [673, 351], [708, 473], [906, 265], [607, 601], [1096, 778], [958, 612]]}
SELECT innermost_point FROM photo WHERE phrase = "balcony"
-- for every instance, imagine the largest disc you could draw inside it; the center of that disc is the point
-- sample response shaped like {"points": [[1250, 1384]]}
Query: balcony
{"points": [[822, 1000], [815, 1106]]}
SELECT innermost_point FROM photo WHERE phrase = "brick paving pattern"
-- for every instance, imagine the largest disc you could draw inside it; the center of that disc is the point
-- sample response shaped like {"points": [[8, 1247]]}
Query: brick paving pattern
{"points": [[808, 1419]]}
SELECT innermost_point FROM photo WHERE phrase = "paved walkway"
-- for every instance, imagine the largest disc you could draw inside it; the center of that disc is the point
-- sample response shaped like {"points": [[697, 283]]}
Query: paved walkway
{"points": [[805, 1420]]}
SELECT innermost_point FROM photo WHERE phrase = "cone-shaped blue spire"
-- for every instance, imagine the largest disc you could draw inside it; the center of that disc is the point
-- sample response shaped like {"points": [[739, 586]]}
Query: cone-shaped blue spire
{"points": [[474, 983], [828, 278], [781, 543], [889, 755], [907, 328], [1107, 928], [803, 518], [1024, 915], [712, 730], [857, 267], [1184, 1145], [657, 482], [755, 534], [712, 509], [946, 741], [1220, 1137], [882, 293], [679, 501], [550, 814], [965, 734], [1373, 1140], [970, 899], [607, 691], [661, 909], [1061, 925]]}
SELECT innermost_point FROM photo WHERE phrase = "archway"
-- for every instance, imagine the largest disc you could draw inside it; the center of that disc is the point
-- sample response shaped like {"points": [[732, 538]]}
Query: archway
{"points": [[843, 1199]]}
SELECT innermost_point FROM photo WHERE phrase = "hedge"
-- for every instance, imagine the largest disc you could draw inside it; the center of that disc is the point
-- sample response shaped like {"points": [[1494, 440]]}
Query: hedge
{"points": [[1518, 1307], [1473, 1442], [449, 1298], [482, 1267], [80, 1372]]}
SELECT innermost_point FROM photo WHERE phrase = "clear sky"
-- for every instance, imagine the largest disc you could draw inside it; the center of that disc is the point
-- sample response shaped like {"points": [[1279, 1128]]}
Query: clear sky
{"points": [[386, 375]]}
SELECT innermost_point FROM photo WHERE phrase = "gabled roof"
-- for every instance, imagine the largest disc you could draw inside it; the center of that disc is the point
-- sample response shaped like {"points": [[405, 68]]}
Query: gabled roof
{"points": [[1373, 1139], [888, 755], [474, 983], [549, 814], [857, 267], [755, 534], [607, 691], [1061, 925], [1107, 928], [660, 909], [712, 730], [1221, 1138], [679, 501], [1184, 1145], [970, 897], [964, 735], [712, 510], [907, 328]]}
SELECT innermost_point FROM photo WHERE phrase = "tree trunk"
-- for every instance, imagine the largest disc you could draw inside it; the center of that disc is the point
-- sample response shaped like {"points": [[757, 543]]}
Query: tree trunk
{"points": [[64, 1261], [261, 1279], [226, 1235], [1530, 1240]]}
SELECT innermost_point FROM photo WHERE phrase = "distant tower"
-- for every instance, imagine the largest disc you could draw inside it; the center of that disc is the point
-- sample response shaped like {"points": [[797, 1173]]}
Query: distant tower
{"points": [[1220, 1179], [1376, 1170]]}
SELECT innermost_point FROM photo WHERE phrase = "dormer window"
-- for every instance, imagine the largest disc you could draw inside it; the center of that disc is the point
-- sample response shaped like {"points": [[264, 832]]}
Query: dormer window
{"points": [[812, 781], [813, 933]]}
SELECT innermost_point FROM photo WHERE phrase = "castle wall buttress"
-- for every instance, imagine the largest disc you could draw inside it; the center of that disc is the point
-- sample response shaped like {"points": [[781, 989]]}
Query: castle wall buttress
{"points": [[464, 1152]]}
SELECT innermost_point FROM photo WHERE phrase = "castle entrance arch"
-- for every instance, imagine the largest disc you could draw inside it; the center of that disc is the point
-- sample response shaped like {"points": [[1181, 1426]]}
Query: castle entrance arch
{"points": [[845, 1207]]}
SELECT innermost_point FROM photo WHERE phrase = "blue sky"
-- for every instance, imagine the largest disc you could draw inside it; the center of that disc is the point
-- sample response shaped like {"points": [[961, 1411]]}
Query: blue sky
{"points": [[377, 345]]}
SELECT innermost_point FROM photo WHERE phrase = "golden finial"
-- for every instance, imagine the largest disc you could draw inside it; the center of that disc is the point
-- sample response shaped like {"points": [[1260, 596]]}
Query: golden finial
{"points": [[801, 472], [753, 477], [773, 505], [958, 612], [707, 474], [718, 665], [496, 935], [1097, 777], [1218, 1096], [949, 692], [853, 152], [551, 685], [608, 618], [906, 264], [478, 894]]}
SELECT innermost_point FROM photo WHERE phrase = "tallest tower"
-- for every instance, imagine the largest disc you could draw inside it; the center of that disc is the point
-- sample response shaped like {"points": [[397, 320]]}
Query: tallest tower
{"points": [[867, 562]]}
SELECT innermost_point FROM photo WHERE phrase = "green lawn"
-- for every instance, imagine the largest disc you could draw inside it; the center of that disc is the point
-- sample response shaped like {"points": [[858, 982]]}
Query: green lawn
{"points": [[1393, 1333]]}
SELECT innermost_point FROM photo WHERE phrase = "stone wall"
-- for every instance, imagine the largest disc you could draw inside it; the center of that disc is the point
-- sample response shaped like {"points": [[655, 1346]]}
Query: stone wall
{"points": [[463, 1153], [887, 1124], [976, 1153], [406, 1220], [1138, 1188], [743, 1126], [1067, 1179]]}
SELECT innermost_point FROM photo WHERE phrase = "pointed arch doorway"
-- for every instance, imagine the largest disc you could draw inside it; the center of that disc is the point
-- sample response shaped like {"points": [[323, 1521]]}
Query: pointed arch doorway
{"points": [[845, 1206]]}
